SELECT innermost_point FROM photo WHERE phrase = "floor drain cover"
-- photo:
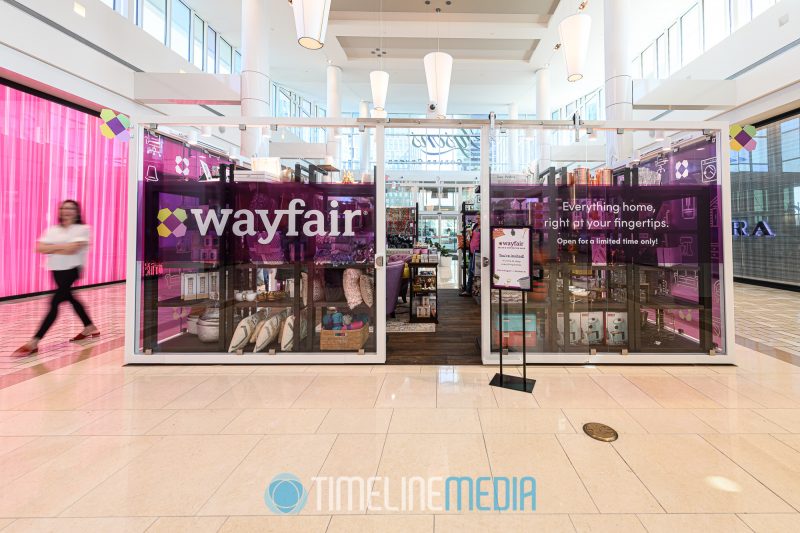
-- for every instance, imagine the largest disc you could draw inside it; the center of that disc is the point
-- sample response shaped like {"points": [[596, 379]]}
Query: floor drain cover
{"points": [[600, 431]]}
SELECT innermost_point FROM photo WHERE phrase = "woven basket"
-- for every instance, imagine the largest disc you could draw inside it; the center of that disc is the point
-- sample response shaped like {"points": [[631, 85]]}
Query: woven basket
{"points": [[343, 340]]}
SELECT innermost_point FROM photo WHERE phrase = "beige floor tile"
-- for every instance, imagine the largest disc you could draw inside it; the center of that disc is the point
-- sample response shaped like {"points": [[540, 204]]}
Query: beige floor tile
{"points": [[619, 419], [340, 370], [792, 441], [275, 524], [408, 390], [688, 475], [356, 421], [397, 369], [274, 421], [624, 392], [524, 421], [146, 392], [174, 478], [329, 391], [671, 392], [693, 523], [280, 369], [80, 525], [8, 444], [772, 523], [481, 523], [559, 489], [769, 460], [259, 392], [351, 457], [435, 421], [599, 523], [688, 370], [125, 422], [661, 421], [381, 524], [626, 370], [571, 391], [196, 422], [70, 475], [611, 484], [429, 455], [789, 419], [34, 453], [75, 395], [4, 522], [464, 389], [187, 524], [718, 392], [205, 393], [785, 384], [737, 421], [222, 369], [507, 398], [48, 422], [242, 493], [756, 392]]}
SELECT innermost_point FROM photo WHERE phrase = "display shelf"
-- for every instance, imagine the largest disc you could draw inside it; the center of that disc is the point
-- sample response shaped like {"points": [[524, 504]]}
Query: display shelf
{"points": [[669, 302], [188, 343], [178, 302], [361, 266], [205, 265], [283, 303]]}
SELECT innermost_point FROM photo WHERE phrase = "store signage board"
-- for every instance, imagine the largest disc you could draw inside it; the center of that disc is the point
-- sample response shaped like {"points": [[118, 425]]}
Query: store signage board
{"points": [[511, 271], [511, 258]]}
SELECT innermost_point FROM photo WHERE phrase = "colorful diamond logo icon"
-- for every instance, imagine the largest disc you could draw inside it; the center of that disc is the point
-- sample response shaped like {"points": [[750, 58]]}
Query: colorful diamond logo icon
{"points": [[743, 137], [115, 126], [171, 223]]}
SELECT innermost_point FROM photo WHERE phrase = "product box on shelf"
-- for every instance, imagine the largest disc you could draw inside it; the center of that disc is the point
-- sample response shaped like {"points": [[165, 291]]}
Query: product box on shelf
{"points": [[574, 328], [592, 330], [616, 328], [202, 285], [512, 330], [189, 283]]}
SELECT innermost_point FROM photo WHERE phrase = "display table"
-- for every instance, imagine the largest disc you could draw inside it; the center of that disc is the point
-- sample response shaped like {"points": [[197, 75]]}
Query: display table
{"points": [[424, 292]]}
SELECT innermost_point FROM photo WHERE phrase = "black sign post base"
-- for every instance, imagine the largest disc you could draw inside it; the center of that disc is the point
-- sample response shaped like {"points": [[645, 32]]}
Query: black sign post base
{"points": [[506, 381]]}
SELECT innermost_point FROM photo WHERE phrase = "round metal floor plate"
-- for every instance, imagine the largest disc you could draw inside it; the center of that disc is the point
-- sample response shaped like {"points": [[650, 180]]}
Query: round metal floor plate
{"points": [[600, 431]]}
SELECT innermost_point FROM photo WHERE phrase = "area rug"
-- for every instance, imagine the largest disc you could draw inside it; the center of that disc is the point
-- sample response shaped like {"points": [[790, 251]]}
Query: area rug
{"points": [[399, 326]]}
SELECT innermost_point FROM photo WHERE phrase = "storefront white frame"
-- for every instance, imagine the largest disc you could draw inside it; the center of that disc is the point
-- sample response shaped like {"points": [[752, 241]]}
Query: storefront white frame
{"points": [[716, 128]]}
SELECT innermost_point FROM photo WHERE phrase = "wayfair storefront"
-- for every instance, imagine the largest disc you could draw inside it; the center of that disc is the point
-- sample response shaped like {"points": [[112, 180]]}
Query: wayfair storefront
{"points": [[287, 261]]}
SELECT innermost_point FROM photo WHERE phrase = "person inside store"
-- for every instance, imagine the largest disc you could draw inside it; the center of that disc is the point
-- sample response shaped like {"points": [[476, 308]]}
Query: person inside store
{"points": [[474, 251], [65, 246]]}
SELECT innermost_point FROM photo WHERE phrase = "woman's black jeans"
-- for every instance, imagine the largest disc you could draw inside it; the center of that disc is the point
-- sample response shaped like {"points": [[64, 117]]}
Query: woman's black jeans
{"points": [[64, 280]]}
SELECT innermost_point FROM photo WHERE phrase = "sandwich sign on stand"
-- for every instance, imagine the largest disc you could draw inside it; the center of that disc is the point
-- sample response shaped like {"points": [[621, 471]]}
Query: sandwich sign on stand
{"points": [[511, 271]]}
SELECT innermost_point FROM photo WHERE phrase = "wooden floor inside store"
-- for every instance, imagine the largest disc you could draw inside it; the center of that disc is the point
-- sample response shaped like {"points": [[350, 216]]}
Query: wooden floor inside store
{"points": [[455, 342]]}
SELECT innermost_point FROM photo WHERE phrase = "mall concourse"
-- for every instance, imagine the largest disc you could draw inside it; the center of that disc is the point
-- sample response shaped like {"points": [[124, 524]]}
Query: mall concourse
{"points": [[349, 265]]}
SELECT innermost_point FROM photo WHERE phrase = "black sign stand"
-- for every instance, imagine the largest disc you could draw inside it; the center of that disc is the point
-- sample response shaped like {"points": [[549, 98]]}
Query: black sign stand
{"points": [[522, 384]]}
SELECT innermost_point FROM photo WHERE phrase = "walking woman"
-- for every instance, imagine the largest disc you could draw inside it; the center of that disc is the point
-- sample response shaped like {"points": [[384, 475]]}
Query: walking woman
{"points": [[65, 245]]}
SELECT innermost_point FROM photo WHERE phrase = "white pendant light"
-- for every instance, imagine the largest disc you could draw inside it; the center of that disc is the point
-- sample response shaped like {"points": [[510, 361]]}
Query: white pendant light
{"points": [[438, 68], [574, 34], [379, 80], [311, 22]]}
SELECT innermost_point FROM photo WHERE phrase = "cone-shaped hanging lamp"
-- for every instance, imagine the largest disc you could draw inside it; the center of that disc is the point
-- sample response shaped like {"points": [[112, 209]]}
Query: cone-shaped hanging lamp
{"points": [[311, 22], [574, 34], [438, 68]]}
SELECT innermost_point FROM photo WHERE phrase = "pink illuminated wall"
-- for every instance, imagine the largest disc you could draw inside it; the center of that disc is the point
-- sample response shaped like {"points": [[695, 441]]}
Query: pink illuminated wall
{"points": [[50, 153]]}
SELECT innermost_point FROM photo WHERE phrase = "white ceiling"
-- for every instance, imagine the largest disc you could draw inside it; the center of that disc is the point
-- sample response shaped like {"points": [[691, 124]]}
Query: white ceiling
{"points": [[497, 45]]}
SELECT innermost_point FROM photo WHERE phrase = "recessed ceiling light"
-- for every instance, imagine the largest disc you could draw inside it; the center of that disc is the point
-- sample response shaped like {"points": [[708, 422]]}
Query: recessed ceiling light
{"points": [[79, 9]]}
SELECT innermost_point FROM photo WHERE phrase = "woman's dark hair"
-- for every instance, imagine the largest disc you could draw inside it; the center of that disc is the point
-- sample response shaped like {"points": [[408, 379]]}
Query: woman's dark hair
{"points": [[78, 219]]}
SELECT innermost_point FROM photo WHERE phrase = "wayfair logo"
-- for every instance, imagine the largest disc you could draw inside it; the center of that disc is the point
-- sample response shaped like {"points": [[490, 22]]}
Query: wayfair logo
{"points": [[314, 223]]}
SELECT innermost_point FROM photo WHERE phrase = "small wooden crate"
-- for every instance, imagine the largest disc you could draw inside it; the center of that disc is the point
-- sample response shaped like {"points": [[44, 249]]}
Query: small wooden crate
{"points": [[344, 340]]}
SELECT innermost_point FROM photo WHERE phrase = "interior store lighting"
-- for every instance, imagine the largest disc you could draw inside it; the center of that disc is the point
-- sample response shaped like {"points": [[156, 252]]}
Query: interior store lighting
{"points": [[438, 70], [311, 22], [657, 135], [207, 131], [79, 9], [574, 34], [379, 79]]}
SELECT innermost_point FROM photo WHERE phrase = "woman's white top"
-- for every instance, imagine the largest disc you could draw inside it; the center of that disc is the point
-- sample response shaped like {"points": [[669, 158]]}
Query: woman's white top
{"points": [[65, 235]]}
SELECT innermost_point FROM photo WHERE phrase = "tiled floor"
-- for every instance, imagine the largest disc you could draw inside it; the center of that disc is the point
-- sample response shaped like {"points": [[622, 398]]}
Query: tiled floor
{"points": [[21, 319], [768, 320], [95, 446]]}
